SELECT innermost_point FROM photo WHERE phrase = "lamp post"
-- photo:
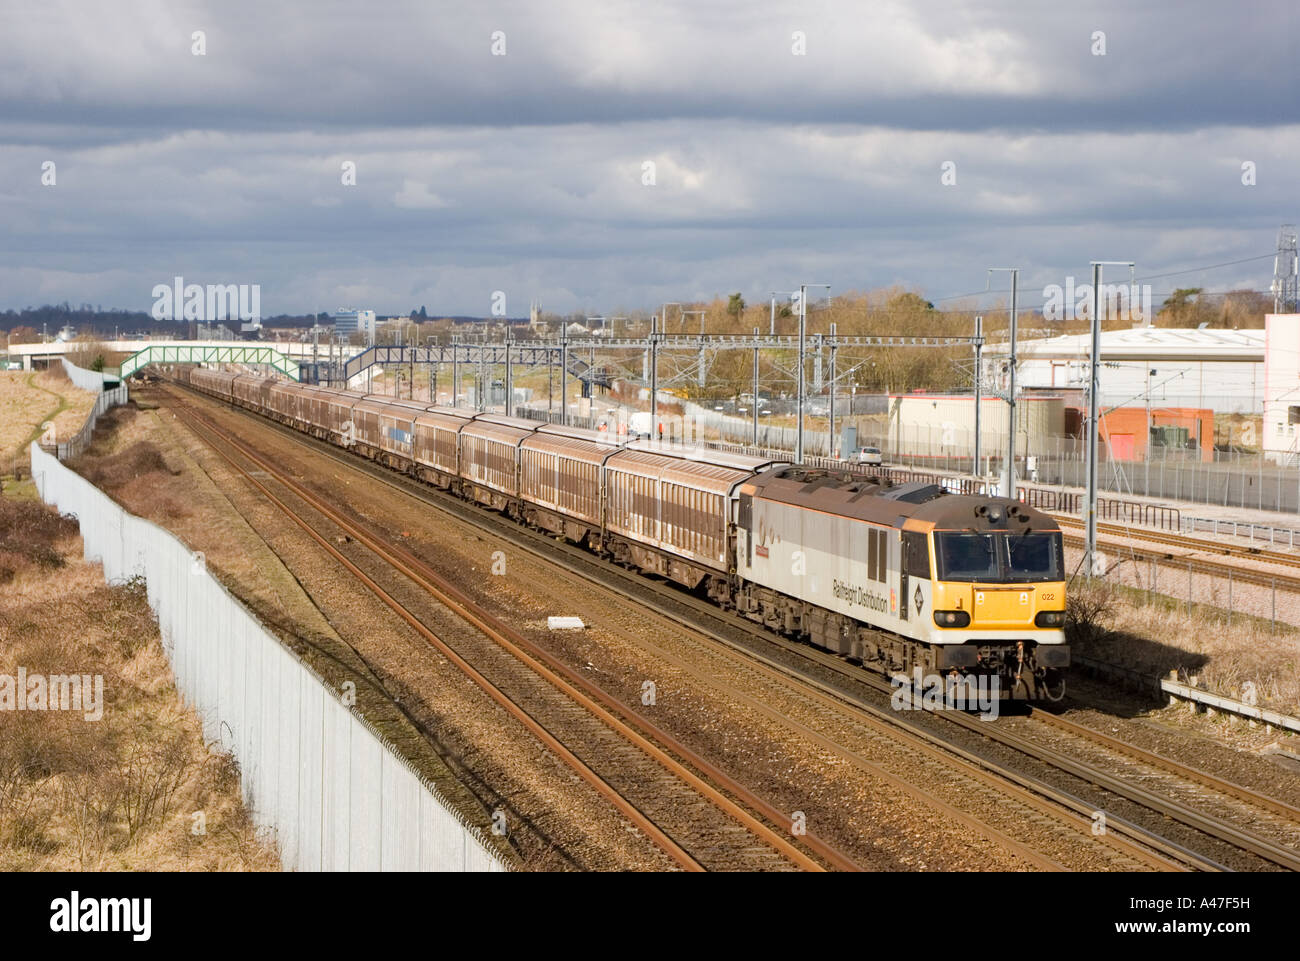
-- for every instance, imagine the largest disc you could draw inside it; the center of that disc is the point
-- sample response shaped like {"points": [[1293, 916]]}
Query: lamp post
{"points": [[979, 388], [799, 401], [831, 428], [755, 398], [772, 320], [1009, 473], [455, 371], [510, 376], [1094, 390], [1146, 484], [564, 365]]}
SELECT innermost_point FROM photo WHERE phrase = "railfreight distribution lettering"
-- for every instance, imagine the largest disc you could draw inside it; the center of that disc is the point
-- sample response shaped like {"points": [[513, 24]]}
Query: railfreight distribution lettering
{"points": [[860, 597]]}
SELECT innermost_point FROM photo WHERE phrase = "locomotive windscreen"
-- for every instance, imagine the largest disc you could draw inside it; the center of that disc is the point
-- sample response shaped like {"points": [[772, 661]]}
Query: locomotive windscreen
{"points": [[999, 558]]}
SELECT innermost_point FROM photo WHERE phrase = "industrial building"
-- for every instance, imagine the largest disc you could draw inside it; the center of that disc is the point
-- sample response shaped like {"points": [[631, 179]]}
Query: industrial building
{"points": [[1281, 388], [1166, 366], [1048, 425], [1139, 433], [943, 425]]}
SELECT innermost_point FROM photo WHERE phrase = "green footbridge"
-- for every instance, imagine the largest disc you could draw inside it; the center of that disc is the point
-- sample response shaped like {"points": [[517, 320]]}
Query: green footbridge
{"points": [[209, 354]]}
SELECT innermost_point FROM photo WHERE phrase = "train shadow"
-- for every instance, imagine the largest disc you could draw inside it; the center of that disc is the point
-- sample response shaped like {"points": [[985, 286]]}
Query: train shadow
{"points": [[1122, 672]]}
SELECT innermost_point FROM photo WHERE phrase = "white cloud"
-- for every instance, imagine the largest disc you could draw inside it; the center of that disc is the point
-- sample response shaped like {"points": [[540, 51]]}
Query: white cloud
{"points": [[417, 196]]}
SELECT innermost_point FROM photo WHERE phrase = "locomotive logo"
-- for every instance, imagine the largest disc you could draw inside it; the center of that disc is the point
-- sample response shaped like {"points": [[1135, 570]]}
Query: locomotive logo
{"points": [[920, 601]]}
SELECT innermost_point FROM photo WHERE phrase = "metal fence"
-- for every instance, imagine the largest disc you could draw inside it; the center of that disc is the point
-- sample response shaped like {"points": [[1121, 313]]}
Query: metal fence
{"points": [[333, 793], [1230, 479], [1223, 478], [78, 442]]}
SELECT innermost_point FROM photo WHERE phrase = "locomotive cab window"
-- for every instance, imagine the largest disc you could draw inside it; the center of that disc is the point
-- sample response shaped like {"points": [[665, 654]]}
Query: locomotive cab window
{"points": [[1034, 556], [991, 558], [967, 557]]}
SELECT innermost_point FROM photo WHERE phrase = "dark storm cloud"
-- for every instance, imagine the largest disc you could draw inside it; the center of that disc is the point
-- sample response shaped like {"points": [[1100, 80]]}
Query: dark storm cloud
{"points": [[524, 172], [914, 66]]}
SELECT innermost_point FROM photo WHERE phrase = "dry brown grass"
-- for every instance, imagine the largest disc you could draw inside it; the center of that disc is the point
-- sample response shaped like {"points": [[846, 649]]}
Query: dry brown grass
{"points": [[28, 532], [118, 793], [135, 475], [1110, 623], [28, 401]]}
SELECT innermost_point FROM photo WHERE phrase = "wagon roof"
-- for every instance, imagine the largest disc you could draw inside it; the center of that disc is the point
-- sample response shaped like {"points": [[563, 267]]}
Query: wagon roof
{"points": [[518, 423], [591, 452], [442, 418], [705, 455], [396, 401], [712, 477], [581, 433], [382, 408], [451, 412], [499, 432]]}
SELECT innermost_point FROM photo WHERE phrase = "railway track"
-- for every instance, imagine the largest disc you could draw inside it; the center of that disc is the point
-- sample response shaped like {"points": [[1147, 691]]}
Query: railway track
{"points": [[707, 619], [679, 762], [1243, 573], [1178, 768]]}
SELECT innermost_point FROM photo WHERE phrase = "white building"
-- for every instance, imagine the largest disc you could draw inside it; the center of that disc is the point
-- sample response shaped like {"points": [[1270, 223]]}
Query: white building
{"points": [[1281, 387], [1181, 367], [350, 320]]}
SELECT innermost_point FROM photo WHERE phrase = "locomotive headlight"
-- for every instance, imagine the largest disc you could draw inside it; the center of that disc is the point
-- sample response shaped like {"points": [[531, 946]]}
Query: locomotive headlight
{"points": [[1050, 618], [951, 618]]}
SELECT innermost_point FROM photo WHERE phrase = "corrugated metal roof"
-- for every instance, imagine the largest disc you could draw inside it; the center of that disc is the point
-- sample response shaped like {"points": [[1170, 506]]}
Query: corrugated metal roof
{"points": [[528, 426], [744, 462], [508, 433], [581, 433], [1148, 343], [583, 450], [441, 419], [711, 477]]}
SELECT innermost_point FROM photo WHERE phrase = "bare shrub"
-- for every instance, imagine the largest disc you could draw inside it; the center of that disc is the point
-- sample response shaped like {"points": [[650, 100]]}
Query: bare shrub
{"points": [[29, 533], [148, 777], [1089, 607]]}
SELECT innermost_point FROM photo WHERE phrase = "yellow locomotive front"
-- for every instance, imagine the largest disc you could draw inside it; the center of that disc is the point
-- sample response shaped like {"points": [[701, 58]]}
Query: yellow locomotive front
{"points": [[998, 598]]}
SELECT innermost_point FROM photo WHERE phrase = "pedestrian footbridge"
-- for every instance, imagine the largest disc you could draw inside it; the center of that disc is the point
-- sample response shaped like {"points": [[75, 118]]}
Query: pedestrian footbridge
{"points": [[251, 354]]}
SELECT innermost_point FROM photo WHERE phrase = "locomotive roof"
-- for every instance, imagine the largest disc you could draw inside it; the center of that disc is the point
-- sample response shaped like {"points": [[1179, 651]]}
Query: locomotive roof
{"points": [[918, 506]]}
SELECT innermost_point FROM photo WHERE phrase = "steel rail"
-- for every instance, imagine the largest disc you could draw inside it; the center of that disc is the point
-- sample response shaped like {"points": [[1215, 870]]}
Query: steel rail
{"points": [[1165, 807], [565, 679]]}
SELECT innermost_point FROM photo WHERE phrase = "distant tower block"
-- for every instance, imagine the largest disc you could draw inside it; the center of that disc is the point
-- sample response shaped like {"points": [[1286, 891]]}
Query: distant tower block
{"points": [[1286, 273]]}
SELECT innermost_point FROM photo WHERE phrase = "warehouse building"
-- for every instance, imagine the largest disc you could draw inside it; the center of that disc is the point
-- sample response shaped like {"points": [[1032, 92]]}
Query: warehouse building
{"points": [[1281, 442], [1170, 367]]}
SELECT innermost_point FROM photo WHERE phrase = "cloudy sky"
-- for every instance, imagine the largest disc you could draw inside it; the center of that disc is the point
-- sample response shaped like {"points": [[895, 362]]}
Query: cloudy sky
{"points": [[505, 146]]}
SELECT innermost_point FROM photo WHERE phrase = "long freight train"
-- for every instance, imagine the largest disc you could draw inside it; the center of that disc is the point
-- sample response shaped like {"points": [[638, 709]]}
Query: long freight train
{"points": [[902, 577]]}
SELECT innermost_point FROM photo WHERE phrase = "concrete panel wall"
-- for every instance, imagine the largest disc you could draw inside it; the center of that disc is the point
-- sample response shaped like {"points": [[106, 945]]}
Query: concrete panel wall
{"points": [[333, 793]]}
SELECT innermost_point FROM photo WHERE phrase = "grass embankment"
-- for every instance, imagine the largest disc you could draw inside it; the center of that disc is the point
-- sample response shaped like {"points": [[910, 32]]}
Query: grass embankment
{"points": [[29, 400], [135, 788], [1128, 627]]}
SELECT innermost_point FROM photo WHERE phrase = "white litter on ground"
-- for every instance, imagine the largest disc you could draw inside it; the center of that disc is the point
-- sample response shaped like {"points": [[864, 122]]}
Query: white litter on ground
{"points": [[565, 623]]}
